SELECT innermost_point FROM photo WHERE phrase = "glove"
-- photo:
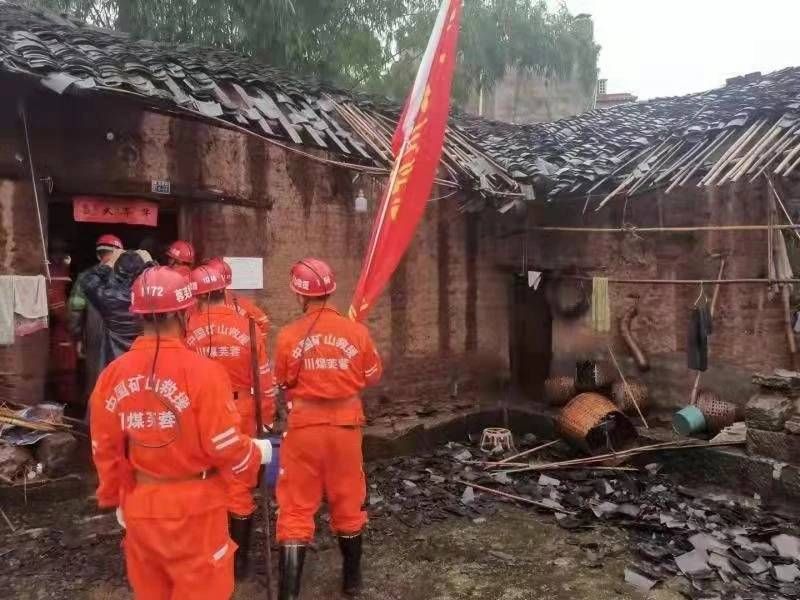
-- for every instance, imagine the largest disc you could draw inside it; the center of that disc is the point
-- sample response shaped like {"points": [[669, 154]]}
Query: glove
{"points": [[265, 447], [120, 518]]}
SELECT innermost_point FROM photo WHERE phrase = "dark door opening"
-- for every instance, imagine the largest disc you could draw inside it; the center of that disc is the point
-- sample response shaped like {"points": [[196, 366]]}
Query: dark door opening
{"points": [[531, 339], [69, 381], [79, 238]]}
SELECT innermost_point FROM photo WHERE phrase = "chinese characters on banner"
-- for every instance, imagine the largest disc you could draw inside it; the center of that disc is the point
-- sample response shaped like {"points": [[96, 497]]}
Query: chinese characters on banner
{"points": [[417, 144], [98, 209]]}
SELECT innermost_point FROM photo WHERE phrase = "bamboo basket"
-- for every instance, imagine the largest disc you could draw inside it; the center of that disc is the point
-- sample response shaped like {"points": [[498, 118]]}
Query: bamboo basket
{"points": [[593, 423], [637, 390], [719, 414], [559, 390]]}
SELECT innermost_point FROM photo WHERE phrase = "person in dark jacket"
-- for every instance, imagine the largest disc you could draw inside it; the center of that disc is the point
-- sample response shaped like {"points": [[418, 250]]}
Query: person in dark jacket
{"points": [[108, 289]]}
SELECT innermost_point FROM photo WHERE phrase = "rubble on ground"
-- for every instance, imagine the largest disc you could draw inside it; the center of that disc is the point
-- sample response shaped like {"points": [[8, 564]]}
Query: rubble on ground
{"points": [[711, 546]]}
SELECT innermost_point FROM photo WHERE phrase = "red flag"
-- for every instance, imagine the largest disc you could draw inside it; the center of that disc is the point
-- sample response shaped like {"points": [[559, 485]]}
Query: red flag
{"points": [[417, 143]]}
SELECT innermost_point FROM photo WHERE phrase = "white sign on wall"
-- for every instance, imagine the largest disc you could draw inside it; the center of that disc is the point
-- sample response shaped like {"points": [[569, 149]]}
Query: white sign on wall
{"points": [[248, 272]]}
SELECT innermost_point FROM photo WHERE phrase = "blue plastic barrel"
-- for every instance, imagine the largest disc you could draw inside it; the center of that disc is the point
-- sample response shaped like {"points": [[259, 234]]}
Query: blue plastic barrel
{"points": [[688, 420]]}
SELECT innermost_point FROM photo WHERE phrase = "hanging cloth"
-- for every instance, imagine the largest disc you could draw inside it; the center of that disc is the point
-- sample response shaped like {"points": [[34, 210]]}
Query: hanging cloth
{"points": [[601, 309], [30, 296]]}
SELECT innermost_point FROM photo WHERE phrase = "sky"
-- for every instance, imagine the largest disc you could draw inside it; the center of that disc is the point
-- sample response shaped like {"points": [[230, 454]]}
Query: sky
{"points": [[654, 48]]}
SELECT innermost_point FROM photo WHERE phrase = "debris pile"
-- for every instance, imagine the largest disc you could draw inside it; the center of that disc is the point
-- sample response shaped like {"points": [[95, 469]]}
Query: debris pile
{"points": [[705, 545], [34, 441]]}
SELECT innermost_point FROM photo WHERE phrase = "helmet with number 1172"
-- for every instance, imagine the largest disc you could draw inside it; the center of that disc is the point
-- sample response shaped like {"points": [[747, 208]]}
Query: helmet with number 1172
{"points": [[161, 290], [313, 278]]}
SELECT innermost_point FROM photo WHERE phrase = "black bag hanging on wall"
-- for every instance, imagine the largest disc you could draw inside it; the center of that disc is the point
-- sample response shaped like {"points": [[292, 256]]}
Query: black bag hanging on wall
{"points": [[697, 340]]}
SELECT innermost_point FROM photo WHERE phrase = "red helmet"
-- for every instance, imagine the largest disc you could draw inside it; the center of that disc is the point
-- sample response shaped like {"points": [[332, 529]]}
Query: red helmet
{"points": [[160, 290], [224, 268], [108, 241], [181, 251], [206, 279], [312, 277]]}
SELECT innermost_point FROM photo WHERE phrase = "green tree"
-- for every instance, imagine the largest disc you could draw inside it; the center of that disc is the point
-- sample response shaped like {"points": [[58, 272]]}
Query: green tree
{"points": [[373, 45]]}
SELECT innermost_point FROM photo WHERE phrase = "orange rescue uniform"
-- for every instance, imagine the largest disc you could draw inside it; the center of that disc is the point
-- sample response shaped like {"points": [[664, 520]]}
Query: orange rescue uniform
{"points": [[220, 333], [247, 308], [160, 439], [323, 360]]}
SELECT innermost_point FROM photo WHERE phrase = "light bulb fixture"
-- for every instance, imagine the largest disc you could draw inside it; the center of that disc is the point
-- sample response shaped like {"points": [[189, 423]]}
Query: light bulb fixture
{"points": [[361, 204]]}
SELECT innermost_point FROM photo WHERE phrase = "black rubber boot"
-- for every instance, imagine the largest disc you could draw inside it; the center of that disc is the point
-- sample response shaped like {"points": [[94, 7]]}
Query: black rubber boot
{"points": [[241, 528], [290, 569], [351, 563]]}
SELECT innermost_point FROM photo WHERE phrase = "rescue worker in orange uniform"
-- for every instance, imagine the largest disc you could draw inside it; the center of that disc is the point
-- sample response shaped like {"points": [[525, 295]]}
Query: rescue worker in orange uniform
{"points": [[243, 305], [220, 333], [323, 360], [164, 429], [180, 256]]}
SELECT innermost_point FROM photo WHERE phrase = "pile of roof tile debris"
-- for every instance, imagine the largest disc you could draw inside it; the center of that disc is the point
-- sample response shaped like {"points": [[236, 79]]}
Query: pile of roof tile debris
{"points": [[35, 441], [710, 547]]}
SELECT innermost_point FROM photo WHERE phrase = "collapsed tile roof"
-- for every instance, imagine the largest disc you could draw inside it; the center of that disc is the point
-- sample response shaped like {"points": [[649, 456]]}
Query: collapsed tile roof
{"points": [[744, 130], [66, 56]]}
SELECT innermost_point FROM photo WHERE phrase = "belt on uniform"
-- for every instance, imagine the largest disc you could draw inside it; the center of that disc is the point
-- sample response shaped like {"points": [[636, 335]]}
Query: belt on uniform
{"points": [[329, 403], [145, 478]]}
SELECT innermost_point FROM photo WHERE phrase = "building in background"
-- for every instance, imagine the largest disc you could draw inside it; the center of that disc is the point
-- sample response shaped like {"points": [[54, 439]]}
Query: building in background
{"points": [[606, 100], [525, 97]]}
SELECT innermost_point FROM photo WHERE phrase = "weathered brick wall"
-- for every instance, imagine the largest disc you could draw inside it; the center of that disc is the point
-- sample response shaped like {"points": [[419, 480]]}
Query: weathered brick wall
{"points": [[749, 333], [442, 325], [23, 364]]}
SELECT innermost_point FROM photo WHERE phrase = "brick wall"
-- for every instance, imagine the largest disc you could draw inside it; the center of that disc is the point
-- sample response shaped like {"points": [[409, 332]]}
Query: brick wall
{"points": [[442, 324], [749, 332]]}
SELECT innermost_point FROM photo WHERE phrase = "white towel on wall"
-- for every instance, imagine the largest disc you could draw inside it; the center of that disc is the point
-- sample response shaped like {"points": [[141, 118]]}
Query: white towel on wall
{"points": [[30, 296]]}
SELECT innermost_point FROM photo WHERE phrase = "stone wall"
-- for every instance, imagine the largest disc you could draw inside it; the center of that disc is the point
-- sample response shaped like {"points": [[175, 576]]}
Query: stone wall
{"points": [[748, 327], [442, 325]]}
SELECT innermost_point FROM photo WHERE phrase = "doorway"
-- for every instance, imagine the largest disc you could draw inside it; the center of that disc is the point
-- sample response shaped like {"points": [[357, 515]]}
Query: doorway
{"points": [[531, 338], [70, 378]]}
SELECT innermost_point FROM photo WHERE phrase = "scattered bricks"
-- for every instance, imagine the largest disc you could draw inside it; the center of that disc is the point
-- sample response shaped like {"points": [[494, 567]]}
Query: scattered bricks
{"points": [[56, 452], [12, 459], [768, 410], [774, 444]]}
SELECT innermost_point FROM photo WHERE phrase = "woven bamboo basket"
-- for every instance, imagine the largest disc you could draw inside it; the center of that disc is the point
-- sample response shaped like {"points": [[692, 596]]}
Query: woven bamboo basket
{"points": [[719, 414], [594, 376], [593, 423], [637, 390], [559, 390]]}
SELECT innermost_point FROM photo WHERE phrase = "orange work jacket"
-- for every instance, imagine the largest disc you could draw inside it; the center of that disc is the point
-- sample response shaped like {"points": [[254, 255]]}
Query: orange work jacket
{"points": [[171, 422], [247, 308], [220, 333], [324, 360]]}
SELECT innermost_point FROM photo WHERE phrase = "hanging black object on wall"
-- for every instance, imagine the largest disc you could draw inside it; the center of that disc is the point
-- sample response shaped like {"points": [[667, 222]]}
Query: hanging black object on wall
{"points": [[697, 340]]}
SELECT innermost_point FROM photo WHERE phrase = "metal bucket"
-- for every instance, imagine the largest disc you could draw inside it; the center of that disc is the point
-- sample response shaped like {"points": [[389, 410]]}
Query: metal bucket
{"points": [[593, 423]]}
